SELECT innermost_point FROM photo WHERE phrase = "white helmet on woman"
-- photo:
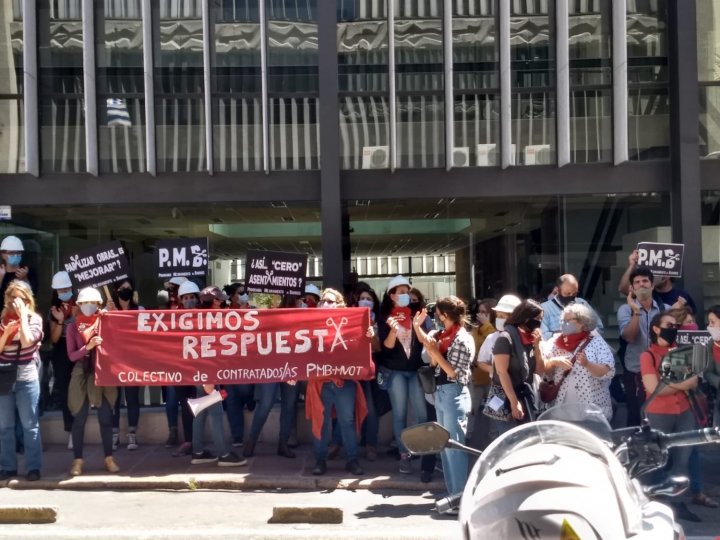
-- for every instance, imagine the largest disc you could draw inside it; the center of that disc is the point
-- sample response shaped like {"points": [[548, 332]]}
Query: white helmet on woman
{"points": [[188, 287], [11, 243], [88, 294], [61, 280]]}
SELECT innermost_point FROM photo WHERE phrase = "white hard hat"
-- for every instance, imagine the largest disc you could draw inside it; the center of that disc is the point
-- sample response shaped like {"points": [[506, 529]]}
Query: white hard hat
{"points": [[88, 294], [312, 289], [507, 303], [61, 280], [177, 280], [188, 287], [11, 243], [397, 281]]}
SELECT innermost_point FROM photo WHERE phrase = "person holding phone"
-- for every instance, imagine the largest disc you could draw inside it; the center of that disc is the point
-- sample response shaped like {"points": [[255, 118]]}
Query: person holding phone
{"points": [[11, 268]]}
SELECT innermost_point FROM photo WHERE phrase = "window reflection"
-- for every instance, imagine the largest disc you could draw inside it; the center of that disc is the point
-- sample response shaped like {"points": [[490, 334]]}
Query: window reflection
{"points": [[708, 35], [12, 149]]}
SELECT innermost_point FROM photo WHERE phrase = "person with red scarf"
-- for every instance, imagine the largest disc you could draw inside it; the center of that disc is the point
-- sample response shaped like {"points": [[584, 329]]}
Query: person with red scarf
{"points": [[62, 314], [21, 333], [451, 351], [82, 340], [580, 360], [400, 357]]}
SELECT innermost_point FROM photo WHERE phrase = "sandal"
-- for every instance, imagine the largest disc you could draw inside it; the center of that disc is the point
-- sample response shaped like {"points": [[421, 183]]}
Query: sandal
{"points": [[703, 500]]}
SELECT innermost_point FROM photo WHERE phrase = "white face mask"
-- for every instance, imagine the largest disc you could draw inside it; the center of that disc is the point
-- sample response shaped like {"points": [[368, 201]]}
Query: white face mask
{"points": [[500, 324], [714, 332]]}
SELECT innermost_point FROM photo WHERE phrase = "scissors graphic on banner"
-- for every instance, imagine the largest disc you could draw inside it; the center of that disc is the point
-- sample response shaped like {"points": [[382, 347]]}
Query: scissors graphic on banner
{"points": [[338, 339]]}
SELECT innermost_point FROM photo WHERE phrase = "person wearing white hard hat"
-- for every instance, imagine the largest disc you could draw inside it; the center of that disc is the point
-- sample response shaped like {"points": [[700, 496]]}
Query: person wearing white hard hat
{"points": [[11, 253], [401, 357], [171, 286], [82, 342], [62, 314], [21, 333], [312, 295]]}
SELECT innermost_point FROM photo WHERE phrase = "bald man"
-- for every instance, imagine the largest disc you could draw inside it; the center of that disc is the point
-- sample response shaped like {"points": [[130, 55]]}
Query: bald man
{"points": [[567, 286]]}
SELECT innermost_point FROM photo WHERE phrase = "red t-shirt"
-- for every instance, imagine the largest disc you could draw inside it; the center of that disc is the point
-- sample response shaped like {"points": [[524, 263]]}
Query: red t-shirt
{"points": [[676, 403]]}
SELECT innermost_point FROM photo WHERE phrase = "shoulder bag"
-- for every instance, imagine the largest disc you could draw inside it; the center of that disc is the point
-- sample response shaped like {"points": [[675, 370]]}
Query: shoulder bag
{"points": [[548, 390]]}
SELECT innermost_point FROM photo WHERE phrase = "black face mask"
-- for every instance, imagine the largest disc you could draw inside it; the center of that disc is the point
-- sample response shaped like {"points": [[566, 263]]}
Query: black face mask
{"points": [[532, 325], [415, 306], [125, 294], [565, 300], [668, 334]]}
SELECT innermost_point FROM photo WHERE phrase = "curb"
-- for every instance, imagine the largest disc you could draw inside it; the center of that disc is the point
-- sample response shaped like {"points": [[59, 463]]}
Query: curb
{"points": [[211, 482], [322, 515], [27, 514]]}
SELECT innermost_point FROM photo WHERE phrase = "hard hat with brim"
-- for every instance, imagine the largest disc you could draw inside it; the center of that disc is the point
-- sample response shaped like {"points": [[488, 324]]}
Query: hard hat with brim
{"points": [[397, 281], [11, 243], [212, 293], [61, 280], [507, 303], [177, 280], [312, 289], [88, 294], [189, 287]]}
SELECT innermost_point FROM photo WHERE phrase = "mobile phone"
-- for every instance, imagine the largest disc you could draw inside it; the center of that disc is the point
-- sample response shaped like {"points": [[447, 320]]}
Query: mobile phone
{"points": [[633, 296]]}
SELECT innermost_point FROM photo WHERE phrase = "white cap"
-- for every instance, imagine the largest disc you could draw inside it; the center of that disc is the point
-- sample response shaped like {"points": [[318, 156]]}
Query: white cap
{"points": [[177, 280], [312, 289], [188, 287], [11, 243], [397, 281], [88, 294], [507, 303], [61, 280]]}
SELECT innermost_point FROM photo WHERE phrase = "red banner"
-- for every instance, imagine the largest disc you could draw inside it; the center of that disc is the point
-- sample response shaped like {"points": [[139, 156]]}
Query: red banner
{"points": [[229, 346]]}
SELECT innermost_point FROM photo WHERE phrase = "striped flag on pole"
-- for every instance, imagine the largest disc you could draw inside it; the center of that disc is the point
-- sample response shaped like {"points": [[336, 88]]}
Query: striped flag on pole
{"points": [[117, 113]]}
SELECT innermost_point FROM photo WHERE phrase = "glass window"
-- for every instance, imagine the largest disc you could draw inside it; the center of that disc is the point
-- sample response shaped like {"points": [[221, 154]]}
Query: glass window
{"points": [[363, 81], [476, 84], [293, 84], [648, 97], [179, 87], [590, 45], [708, 36], [420, 100], [12, 141], [120, 88], [62, 116], [532, 56], [711, 250], [237, 91]]}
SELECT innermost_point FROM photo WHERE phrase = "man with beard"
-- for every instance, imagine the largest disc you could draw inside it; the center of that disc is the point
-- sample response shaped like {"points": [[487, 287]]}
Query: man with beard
{"points": [[567, 287], [634, 319]]}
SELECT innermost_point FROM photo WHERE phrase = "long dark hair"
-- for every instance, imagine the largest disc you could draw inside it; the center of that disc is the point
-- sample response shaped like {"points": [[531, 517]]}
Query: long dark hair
{"points": [[526, 310], [363, 287], [453, 308], [132, 304]]}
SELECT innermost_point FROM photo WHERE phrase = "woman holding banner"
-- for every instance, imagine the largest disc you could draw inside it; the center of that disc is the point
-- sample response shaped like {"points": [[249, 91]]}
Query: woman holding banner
{"points": [[21, 333], [82, 340]]}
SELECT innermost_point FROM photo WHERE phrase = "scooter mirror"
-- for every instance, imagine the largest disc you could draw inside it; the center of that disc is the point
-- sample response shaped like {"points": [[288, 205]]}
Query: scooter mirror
{"points": [[427, 438], [684, 362]]}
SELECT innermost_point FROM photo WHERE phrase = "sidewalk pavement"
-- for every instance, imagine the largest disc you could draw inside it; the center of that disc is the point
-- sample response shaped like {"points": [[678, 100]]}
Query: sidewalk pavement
{"points": [[152, 467]]}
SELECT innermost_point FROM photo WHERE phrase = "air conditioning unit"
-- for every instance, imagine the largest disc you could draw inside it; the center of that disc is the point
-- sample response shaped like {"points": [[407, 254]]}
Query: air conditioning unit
{"points": [[538, 154], [376, 157], [488, 155], [461, 156]]}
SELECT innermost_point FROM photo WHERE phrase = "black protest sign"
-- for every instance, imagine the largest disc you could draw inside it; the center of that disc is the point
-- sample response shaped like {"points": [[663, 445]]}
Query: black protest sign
{"points": [[662, 259], [97, 266], [184, 257], [275, 272], [690, 337]]}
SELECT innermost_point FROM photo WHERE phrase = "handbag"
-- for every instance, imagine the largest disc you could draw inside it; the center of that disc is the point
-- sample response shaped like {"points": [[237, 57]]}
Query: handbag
{"points": [[700, 407], [548, 390], [426, 376]]}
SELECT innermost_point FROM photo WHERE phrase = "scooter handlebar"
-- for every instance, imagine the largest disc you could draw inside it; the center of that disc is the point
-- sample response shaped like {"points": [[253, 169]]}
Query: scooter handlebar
{"points": [[690, 438]]}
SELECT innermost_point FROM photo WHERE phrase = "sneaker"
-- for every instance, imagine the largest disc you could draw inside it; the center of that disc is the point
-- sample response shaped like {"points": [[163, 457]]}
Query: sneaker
{"points": [[33, 475], [231, 460], [237, 442], [185, 449], [198, 458], [115, 441], [132, 441], [426, 477], [172, 440], [353, 467], [320, 467], [405, 464], [76, 468], [110, 465], [7, 475], [70, 444]]}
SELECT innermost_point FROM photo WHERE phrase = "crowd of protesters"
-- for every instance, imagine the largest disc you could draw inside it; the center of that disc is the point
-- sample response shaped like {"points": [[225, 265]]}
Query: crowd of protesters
{"points": [[493, 359]]}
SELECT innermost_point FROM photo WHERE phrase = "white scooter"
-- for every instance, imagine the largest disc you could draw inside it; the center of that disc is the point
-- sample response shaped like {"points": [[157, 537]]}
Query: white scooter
{"points": [[568, 475]]}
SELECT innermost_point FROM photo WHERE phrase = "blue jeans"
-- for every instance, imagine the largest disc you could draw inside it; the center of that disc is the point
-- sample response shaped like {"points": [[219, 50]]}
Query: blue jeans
{"points": [[343, 399], [695, 470], [503, 426], [452, 404], [371, 424], [238, 395], [404, 387], [288, 409], [217, 417], [26, 396]]}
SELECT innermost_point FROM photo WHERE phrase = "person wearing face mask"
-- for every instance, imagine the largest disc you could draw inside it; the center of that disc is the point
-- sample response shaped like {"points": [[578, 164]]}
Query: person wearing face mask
{"points": [[516, 358], [669, 411], [123, 299], [82, 341], [312, 295], [567, 289], [11, 268], [580, 362], [401, 354], [188, 298], [21, 333], [482, 320], [634, 318], [172, 286], [502, 311], [62, 313]]}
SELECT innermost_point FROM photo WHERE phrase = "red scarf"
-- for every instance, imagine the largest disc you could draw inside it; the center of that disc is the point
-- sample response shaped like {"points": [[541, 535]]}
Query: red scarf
{"points": [[87, 326], [570, 342], [403, 315], [526, 338], [67, 307], [7, 320], [445, 338]]}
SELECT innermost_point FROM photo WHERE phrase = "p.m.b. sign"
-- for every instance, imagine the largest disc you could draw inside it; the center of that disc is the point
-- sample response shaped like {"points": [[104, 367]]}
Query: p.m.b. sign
{"points": [[662, 259], [185, 257]]}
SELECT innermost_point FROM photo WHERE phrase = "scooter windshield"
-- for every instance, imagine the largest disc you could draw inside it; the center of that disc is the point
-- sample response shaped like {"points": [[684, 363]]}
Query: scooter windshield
{"points": [[585, 415]]}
